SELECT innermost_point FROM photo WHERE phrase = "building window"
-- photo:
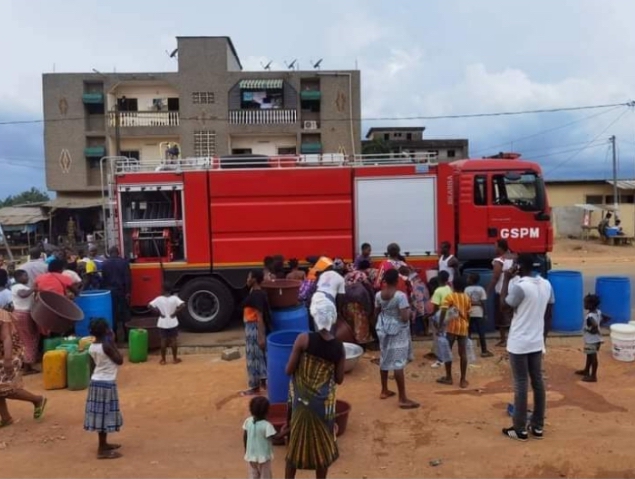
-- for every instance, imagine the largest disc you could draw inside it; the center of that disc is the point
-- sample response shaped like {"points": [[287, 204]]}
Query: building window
{"points": [[204, 143], [203, 97], [287, 150], [128, 104], [624, 199], [130, 154], [408, 136], [451, 153], [594, 199], [386, 136]]}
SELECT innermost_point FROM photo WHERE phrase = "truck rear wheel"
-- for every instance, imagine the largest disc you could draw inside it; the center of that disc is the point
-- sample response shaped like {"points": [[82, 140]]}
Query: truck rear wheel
{"points": [[209, 305]]}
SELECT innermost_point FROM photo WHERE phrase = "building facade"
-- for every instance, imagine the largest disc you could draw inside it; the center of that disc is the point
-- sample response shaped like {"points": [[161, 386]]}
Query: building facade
{"points": [[209, 107], [410, 140], [569, 199]]}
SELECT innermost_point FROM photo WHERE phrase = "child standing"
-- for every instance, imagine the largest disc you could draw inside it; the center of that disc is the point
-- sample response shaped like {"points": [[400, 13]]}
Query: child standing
{"points": [[592, 338], [478, 296], [257, 438], [420, 300], [167, 307], [455, 322], [102, 404], [256, 319]]}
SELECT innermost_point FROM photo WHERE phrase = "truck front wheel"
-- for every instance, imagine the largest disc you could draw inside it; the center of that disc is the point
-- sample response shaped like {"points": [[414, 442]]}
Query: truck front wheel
{"points": [[209, 305]]}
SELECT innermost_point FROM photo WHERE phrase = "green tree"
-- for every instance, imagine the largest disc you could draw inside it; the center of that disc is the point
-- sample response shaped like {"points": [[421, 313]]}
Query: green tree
{"points": [[34, 195], [378, 146]]}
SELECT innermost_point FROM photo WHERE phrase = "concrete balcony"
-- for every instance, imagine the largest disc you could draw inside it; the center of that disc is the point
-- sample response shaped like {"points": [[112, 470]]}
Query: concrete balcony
{"points": [[133, 119], [263, 117]]}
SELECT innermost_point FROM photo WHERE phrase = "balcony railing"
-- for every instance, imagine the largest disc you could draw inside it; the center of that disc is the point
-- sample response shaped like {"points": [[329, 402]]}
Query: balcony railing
{"points": [[143, 118], [262, 117]]}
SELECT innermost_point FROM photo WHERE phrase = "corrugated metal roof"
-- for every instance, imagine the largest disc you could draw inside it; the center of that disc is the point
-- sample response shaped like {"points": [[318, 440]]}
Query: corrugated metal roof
{"points": [[624, 184], [21, 215], [264, 83], [75, 202]]}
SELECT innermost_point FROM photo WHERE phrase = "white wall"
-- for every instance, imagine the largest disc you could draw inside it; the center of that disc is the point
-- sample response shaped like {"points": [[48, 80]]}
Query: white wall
{"points": [[144, 95], [263, 145]]}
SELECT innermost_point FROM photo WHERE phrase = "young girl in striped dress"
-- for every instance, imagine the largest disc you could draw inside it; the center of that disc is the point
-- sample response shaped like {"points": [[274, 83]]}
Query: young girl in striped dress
{"points": [[102, 404]]}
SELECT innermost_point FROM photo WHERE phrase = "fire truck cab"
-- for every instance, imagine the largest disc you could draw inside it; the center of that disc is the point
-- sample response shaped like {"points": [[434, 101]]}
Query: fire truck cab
{"points": [[201, 224]]}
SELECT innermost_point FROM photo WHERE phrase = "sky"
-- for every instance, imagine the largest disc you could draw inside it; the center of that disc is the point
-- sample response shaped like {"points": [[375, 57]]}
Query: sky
{"points": [[418, 58]]}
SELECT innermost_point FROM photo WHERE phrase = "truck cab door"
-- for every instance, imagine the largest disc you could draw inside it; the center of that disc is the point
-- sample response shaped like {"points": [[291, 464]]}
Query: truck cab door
{"points": [[473, 210], [517, 211]]}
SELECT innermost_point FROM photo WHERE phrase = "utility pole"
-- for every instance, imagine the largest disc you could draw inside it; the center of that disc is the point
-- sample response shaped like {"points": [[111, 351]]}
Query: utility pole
{"points": [[615, 201]]}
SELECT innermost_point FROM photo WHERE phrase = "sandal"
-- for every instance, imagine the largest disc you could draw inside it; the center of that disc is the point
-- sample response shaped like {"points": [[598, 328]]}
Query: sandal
{"points": [[446, 381], [6, 423], [249, 393], [38, 412], [109, 455]]}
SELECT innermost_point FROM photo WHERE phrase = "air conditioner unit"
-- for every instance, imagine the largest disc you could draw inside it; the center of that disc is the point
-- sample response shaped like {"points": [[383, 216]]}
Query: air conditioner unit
{"points": [[310, 125]]}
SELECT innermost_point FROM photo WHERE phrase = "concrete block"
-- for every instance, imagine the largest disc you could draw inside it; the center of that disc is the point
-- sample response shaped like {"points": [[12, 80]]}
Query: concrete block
{"points": [[230, 354]]}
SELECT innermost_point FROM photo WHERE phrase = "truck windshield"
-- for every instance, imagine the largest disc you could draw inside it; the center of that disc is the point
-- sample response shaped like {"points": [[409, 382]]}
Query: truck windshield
{"points": [[523, 191]]}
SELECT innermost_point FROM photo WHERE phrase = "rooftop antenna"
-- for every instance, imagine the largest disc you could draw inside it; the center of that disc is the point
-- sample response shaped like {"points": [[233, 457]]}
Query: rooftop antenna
{"points": [[173, 53], [292, 65], [317, 64], [267, 66], [97, 71]]}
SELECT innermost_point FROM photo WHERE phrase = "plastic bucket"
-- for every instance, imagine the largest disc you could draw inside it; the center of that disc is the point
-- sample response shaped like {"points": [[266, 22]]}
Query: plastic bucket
{"points": [[623, 342], [295, 318], [615, 297], [55, 313], [282, 293], [279, 346], [568, 291]]}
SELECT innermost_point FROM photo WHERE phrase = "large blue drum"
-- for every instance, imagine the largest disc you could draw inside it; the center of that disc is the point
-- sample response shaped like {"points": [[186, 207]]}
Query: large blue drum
{"points": [[279, 347], [568, 291], [95, 304], [295, 318], [615, 297]]}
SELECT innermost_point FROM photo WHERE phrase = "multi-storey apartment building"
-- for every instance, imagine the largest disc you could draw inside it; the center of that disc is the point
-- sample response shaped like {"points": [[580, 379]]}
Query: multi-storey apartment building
{"points": [[410, 140], [209, 107]]}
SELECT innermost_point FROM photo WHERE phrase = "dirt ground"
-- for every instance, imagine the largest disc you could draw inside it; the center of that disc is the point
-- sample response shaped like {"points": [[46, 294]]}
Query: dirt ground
{"points": [[185, 420], [591, 252]]}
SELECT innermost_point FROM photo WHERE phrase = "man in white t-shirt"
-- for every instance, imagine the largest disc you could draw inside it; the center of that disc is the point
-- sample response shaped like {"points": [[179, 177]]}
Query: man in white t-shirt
{"points": [[529, 298]]}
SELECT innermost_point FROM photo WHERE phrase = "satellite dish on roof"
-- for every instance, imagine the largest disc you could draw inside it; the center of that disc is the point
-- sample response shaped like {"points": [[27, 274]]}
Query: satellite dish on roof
{"points": [[267, 66], [173, 53], [292, 65], [317, 64]]}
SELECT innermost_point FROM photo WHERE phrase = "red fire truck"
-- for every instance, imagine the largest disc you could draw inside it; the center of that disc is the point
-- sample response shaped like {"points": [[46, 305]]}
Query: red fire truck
{"points": [[201, 224]]}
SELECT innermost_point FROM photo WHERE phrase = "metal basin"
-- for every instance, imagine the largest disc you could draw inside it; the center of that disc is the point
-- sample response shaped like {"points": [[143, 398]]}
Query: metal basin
{"points": [[353, 353]]}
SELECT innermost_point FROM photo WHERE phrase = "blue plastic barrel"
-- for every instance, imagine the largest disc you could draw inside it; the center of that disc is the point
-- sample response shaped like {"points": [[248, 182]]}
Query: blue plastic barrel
{"points": [[568, 291], [490, 305], [279, 346], [95, 304], [615, 297], [295, 318]]}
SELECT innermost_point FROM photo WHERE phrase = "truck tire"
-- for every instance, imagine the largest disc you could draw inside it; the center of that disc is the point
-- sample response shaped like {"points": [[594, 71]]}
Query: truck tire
{"points": [[209, 305]]}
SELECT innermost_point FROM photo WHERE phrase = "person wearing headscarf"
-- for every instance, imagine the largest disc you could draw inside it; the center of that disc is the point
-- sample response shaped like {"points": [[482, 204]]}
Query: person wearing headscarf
{"points": [[316, 367]]}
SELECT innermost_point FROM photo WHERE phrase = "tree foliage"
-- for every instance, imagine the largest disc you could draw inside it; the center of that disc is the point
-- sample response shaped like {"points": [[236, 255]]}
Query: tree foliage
{"points": [[378, 146], [34, 195]]}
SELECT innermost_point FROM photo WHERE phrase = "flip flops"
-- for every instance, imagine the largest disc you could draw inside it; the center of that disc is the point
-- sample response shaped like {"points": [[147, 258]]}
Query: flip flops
{"points": [[38, 412]]}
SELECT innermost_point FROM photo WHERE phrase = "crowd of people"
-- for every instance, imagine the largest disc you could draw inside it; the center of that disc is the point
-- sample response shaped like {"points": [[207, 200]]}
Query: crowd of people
{"points": [[379, 308], [382, 308]]}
